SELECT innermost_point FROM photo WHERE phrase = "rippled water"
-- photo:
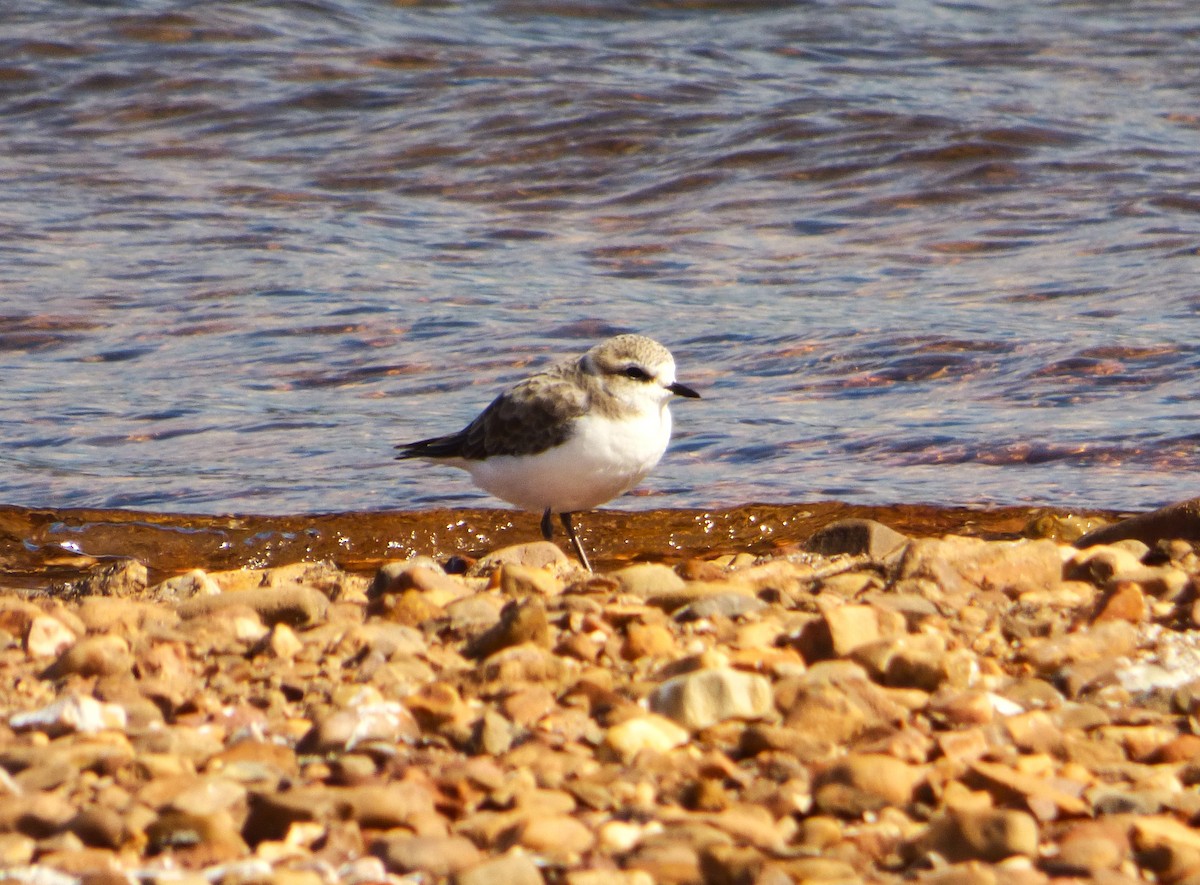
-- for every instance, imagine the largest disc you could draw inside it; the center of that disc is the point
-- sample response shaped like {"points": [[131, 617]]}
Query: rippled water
{"points": [[909, 251]]}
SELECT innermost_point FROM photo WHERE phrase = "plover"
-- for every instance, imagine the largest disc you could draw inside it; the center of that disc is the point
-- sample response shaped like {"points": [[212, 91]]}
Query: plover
{"points": [[571, 436]]}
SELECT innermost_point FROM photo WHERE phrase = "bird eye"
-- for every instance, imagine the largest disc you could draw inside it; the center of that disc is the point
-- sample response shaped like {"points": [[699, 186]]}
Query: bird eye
{"points": [[637, 373]]}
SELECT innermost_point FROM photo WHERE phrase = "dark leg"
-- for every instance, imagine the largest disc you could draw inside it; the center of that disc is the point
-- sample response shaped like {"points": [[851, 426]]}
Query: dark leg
{"points": [[567, 524], [547, 526]]}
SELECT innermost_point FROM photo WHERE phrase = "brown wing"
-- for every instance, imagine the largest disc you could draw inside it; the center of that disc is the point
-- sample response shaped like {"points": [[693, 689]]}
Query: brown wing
{"points": [[533, 416]]}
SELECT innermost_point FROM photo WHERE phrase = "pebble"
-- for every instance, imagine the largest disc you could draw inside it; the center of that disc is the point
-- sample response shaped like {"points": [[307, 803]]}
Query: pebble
{"points": [[986, 834], [705, 697], [655, 733], [431, 855], [48, 637], [93, 656], [510, 869], [73, 713], [856, 537], [950, 710]]}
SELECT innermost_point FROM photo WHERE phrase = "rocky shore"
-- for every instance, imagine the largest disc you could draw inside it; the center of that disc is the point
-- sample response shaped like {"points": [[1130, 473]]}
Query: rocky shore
{"points": [[869, 708]]}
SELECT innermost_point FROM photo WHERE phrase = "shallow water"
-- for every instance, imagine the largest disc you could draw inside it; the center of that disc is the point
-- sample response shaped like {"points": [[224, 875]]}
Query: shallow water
{"points": [[44, 548], [915, 251]]}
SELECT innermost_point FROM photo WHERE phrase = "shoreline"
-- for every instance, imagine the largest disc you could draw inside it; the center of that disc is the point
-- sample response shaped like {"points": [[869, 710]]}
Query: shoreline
{"points": [[64, 543], [878, 707]]}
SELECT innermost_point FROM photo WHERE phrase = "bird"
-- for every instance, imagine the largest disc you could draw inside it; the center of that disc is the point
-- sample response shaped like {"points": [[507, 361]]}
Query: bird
{"points": [[572, 436]]}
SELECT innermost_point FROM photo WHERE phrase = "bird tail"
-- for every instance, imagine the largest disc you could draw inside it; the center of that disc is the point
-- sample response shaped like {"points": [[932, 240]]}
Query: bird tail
{"points": [[435, 447]]}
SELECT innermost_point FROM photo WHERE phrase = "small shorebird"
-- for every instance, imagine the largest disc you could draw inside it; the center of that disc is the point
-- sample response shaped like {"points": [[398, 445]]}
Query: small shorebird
{"points": [[571, 436]]}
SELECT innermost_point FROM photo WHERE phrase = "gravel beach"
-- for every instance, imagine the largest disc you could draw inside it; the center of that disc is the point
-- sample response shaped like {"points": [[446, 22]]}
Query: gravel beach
{"points": [[867, 706]]}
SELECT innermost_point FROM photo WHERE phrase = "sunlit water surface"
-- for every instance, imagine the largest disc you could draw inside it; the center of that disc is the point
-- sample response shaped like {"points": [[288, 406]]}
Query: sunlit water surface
{"points": [[909, 252]]}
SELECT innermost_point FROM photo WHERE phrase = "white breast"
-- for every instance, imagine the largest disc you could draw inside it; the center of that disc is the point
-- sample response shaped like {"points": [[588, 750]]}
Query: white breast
{"points": [[604, 458]]}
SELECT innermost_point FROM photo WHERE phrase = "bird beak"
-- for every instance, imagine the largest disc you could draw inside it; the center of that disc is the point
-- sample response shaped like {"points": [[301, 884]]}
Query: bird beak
{"points": [[682, 390]]}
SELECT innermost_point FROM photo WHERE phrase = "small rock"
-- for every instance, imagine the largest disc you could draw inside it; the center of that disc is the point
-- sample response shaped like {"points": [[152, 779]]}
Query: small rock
{"points": [[522, 580], [987, 834], [185, 586], [1171, 848], [493, 735], [856, 537], [705, 697], [1092, 846], [48, 637], [124, 577], [647, 640], [16, 850], [725, 605], [93, 656], [214, 832], [438, 856], [656, 733], [521, 621], [557, 836], [343, 730], [865, 782], [647, 579], [297, 605], [509, 869], [283, 642], [73, 713], [959, 564], [538, 554]]}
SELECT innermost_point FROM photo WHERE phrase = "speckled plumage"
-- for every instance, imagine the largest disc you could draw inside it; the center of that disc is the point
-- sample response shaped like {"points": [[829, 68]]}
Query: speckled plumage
{"points": [[571, 436], [539, 413]]}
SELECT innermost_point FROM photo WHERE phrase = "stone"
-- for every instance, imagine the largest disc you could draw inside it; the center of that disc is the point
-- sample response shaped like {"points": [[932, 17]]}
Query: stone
{"points": [[557, 836], [647, 641], [722, 605], [1125, 602], [648, 732], [48, 637], [493, 735], [961, 565], [1048, 798], [705, 697], [522, 580], [843, 629], [122, 577], [856, 537], [295, 605], [344, 730], [513, 868], [521, 621], [1171, 848], [537, 554], [988, 834], [1090, 847], [93, 656], [865, 782], [16, 850], [438, 856], [1103, 641], [647, 580], [192, 583], [69, 714]]}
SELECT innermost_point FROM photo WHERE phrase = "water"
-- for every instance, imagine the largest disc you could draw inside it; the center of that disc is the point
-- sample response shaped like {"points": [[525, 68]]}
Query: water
{"points": [[908, 251]]}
